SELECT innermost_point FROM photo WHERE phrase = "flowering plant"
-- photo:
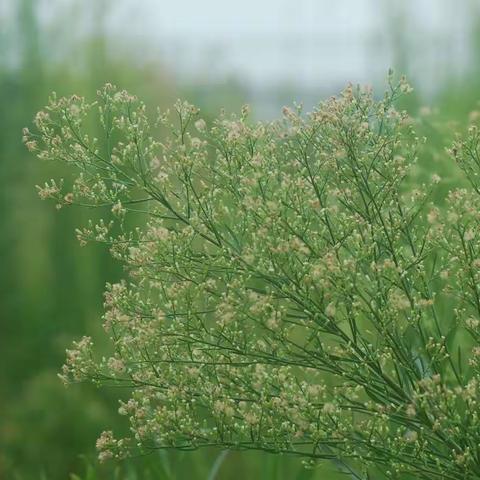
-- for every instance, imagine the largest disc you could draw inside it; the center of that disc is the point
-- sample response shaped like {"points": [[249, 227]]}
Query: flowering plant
{"points": [[288, 289]]}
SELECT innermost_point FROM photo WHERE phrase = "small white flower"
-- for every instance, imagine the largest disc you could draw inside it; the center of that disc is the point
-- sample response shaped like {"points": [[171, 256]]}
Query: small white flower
{"points": [[200, 125]]}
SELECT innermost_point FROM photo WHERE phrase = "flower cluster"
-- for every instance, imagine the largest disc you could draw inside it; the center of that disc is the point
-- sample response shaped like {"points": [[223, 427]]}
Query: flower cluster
{"points": [[289, 287]]}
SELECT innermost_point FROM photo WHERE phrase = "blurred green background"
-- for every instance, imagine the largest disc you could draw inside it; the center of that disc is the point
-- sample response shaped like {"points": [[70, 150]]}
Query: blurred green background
{"points": [[214, 54]]}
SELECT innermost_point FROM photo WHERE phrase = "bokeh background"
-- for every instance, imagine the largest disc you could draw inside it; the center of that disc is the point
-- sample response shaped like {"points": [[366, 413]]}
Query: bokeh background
{"points": [[214, 53]]}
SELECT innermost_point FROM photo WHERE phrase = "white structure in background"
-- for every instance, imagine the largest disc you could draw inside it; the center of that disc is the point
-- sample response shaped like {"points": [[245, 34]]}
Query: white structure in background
{"points": [[311, 45]]}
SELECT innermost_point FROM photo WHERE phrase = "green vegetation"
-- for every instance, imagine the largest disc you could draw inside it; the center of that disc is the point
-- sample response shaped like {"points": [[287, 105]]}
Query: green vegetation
{"points": [[291, 287], [51, 290]]}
